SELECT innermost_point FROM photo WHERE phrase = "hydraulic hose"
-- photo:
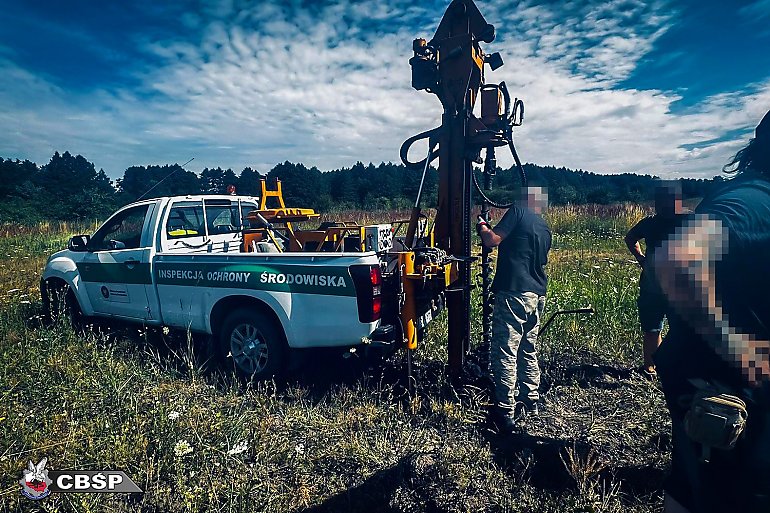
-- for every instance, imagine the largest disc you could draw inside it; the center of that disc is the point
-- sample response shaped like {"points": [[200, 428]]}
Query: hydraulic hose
{"points": [[519, 168], [485, 197], [428, 134]]}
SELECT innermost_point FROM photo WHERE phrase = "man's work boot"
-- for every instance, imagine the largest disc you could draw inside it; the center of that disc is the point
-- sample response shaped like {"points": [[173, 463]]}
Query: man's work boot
{"points": [[503, 420], [530, 408]]}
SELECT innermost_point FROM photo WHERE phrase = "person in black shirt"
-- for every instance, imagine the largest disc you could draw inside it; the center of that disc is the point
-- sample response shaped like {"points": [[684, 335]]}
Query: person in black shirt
{"points": [[714, 272], [654, 230], [519, 285]]}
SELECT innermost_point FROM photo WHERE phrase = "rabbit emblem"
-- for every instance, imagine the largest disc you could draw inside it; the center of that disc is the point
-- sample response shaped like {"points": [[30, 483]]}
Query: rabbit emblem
{"points": [[35, 482]]}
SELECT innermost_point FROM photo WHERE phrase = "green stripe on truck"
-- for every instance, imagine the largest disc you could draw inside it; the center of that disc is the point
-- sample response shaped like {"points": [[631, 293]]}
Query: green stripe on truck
{"points": [[139, 274]]}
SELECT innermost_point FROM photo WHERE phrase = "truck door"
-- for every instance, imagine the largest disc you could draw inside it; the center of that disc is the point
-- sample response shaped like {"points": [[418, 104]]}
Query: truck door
{"points": [[117, 268]]}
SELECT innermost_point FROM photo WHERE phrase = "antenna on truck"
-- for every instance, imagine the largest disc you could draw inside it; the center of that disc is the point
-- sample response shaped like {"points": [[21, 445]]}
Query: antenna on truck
{"points": [[166, 178]]}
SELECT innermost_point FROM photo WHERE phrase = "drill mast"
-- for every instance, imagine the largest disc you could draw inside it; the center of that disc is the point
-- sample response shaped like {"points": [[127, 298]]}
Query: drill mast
{"points": [[451, 66]]}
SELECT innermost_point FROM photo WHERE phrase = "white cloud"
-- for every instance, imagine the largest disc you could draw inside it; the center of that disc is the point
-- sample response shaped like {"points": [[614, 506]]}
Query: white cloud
{"points": [[331, 85]]}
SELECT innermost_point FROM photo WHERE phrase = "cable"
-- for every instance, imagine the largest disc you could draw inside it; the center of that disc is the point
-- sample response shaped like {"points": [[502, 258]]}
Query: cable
{"points": [[164, 179]]}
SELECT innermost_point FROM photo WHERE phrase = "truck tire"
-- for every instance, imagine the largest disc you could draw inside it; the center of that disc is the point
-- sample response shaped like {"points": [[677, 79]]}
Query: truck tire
{"points": [[252, 344], [60, 303]]}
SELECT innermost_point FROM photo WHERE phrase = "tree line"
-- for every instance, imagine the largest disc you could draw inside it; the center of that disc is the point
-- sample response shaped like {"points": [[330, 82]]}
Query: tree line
{"points": [[70, 188]]}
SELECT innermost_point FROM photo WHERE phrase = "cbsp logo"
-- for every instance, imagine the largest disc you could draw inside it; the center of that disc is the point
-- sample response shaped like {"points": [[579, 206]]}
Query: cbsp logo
{"points": [[37, 482]]}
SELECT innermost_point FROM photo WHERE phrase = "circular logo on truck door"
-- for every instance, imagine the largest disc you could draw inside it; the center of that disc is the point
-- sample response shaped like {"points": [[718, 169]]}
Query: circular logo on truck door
{"points": [[105, 292]]}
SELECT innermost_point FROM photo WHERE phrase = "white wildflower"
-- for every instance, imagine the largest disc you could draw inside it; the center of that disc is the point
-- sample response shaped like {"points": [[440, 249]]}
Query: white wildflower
{"points": [[239, 448], [174, 415], [299, 448], [182, 448]]}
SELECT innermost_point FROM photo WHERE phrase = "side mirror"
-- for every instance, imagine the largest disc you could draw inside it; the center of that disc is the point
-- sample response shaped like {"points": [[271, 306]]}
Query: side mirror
{"points": [[79, 243]]}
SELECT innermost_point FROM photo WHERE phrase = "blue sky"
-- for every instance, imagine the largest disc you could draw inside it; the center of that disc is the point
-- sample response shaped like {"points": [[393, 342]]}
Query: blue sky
{"points": [[671, 88]]}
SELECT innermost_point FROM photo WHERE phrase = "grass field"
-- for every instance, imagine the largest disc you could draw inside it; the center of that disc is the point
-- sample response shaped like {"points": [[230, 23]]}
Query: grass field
{"points": [[337, 435]]}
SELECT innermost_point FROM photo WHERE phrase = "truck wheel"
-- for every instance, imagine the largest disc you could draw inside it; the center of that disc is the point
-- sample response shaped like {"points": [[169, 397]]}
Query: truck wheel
{"points": [[60, 303], [252, 344]]}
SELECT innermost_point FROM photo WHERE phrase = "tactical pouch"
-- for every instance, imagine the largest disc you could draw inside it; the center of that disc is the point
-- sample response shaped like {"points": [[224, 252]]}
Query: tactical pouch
{"points": [[715, 419]]}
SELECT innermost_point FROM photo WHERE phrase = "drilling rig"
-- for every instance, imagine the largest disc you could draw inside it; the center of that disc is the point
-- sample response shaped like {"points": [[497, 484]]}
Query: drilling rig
{"points": [[429, 269], [452, 66]]}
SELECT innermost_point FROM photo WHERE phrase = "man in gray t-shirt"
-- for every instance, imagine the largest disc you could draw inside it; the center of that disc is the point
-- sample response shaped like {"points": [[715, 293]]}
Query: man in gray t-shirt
{"points": [[523, 240]]}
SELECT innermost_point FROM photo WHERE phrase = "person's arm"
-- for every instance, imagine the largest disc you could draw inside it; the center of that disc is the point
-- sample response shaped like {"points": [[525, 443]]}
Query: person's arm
{"points": [[632, 241], [491, 238], [685, 268]]}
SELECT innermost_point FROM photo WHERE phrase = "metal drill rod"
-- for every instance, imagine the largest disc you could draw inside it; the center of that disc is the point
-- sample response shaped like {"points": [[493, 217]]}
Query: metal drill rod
{"points": [[424, 172], [486, 285], [490, 163], [585, 310], [416, 210]]}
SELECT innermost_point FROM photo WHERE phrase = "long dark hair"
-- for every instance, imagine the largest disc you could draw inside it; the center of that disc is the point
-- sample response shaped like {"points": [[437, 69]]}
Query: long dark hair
{"points": [[755, 156]]}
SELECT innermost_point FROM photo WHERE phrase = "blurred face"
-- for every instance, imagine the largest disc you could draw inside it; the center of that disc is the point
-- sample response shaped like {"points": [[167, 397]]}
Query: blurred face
{"points": [[664, 203], [667, 202], [535, 198], [668, 198]]}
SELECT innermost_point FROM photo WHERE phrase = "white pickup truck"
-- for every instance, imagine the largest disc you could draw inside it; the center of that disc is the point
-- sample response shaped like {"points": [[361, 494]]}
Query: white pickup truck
{"points": [[178, 262]]}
